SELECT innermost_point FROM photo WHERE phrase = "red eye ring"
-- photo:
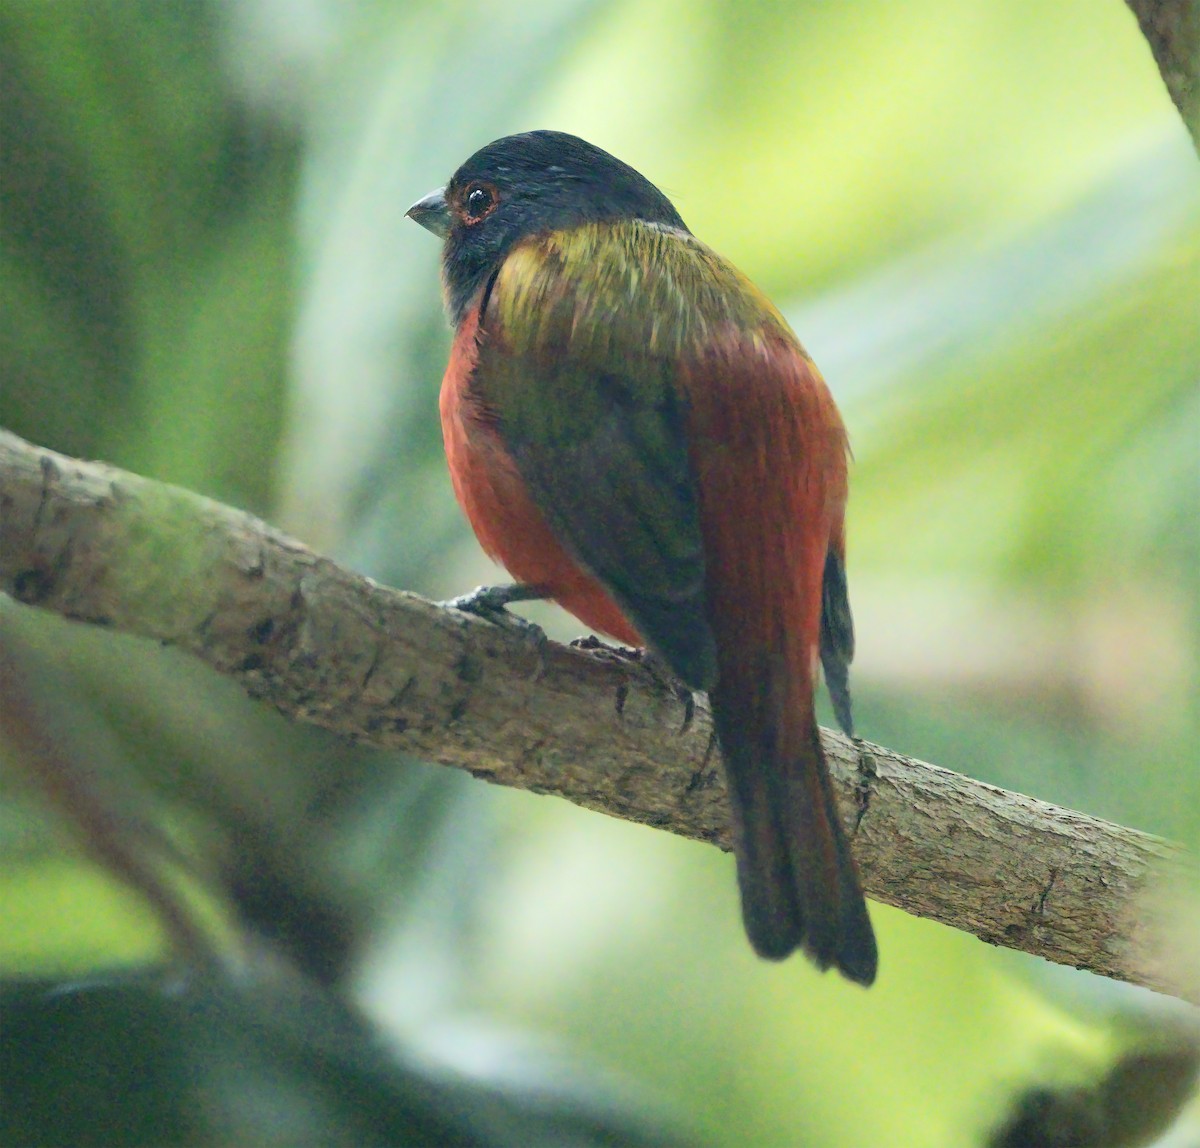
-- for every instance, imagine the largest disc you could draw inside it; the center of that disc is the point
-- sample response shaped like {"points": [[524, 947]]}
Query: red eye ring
{"points": [[479, 200]]}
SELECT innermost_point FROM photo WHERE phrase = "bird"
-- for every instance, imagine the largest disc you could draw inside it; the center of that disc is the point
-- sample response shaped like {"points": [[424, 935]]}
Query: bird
{"points": [[634, 431]]}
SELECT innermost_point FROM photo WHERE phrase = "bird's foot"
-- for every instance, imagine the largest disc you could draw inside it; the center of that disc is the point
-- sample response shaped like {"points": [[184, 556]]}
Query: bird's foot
{"points": [[660, 670], [491, 604], [600, 646]]}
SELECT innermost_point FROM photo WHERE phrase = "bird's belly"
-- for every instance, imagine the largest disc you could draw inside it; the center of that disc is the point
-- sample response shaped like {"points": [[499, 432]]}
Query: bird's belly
{"points": [[512, 530]]}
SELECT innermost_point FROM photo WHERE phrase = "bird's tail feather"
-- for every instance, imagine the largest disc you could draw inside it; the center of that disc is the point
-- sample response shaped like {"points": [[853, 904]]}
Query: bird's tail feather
{"points": [[798, 881]]}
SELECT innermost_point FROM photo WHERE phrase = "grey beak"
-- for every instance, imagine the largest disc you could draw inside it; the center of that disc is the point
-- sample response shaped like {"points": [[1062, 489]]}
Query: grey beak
{"points": [[432, 213]]}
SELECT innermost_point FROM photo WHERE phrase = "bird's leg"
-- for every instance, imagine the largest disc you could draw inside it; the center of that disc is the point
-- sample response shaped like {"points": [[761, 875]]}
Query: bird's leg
{"points": [[491, 604]]}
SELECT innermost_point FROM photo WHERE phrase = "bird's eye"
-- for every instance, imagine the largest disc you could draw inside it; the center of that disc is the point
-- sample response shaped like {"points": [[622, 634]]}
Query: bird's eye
{"points": [[479, 201]]}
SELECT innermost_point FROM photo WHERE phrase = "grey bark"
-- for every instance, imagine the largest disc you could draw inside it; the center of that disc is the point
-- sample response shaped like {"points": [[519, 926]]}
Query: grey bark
{"points": [[327, 646]]}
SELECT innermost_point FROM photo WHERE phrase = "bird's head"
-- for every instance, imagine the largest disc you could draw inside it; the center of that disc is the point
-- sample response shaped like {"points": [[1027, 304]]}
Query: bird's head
{"points": [[524, 185]]}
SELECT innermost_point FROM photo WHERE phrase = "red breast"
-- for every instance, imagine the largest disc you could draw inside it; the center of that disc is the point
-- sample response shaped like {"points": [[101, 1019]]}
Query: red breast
{"points": [[497, 503]]}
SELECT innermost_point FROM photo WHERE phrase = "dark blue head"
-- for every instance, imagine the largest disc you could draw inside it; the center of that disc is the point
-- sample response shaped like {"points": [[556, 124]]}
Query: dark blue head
{"points": [[522, 185]]}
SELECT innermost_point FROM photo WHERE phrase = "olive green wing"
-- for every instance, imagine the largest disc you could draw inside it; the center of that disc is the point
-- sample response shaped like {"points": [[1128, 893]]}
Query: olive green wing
{"points": [[597, 427]]}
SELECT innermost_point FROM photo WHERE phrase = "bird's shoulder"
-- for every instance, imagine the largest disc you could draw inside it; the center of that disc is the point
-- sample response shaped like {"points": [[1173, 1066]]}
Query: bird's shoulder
{"points": [[608, 291]]}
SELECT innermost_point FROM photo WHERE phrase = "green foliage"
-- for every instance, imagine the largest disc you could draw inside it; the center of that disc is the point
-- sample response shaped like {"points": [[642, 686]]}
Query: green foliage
{"points": [[984, 222]]}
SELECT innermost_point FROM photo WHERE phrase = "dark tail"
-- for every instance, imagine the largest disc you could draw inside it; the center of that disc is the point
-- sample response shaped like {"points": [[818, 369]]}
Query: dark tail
{"points": [[799, 883]]}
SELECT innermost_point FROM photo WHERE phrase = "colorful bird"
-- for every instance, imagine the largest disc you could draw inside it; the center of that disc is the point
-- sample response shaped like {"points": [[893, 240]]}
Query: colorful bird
{"points": [[635, 432]]}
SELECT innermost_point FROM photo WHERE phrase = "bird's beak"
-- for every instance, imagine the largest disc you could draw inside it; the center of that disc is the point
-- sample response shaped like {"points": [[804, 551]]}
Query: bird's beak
{"points": [[432, 213]]}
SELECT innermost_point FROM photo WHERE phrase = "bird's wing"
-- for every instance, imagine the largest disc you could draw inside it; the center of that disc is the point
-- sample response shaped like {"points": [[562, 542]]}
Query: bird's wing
{"points": [[837, 634], [588, 404]]}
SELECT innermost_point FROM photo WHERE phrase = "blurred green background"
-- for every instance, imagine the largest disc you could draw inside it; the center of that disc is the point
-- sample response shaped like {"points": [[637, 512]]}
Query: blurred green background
{"points": [[984, 222]]}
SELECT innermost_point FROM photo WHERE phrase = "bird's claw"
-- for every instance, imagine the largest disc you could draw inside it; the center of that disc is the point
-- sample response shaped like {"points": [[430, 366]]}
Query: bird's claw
{"points": [[659, 669]]}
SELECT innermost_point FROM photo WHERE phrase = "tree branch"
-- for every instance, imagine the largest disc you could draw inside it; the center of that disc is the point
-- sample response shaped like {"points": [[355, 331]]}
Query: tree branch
{"points": [[328, 647], [1172, 29]]}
